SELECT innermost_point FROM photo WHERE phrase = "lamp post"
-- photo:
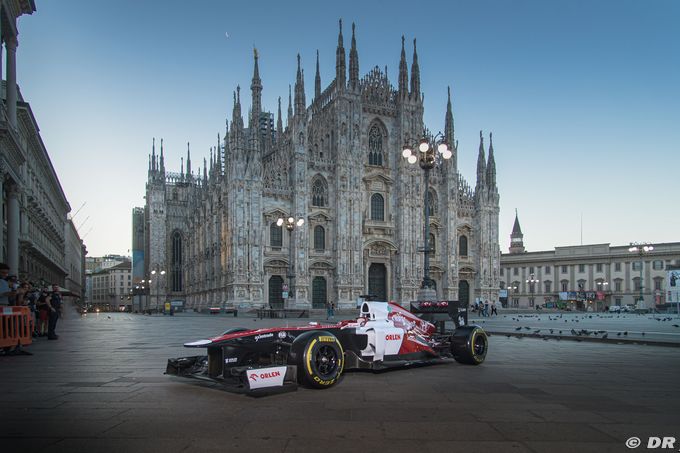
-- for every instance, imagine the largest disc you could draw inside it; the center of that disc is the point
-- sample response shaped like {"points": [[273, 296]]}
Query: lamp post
{"points": [[511, 288], [291, 222], [641, 248], [432, 151], [158, 282], [144, 286], [532, 281]]}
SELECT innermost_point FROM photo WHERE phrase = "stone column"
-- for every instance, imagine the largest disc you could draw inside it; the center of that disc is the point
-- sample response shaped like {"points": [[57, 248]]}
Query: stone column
{"points": [[11, 44], [13, 230]]}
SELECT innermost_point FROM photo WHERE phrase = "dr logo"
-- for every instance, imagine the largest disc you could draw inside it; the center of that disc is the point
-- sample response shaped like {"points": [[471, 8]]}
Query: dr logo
{"points": [[661, 442]]}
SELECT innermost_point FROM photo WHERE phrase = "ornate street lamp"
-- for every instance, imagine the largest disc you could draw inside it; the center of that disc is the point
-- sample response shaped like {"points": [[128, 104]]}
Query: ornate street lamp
{"points": [[158, 282], [291, 223], [641, 248], [532, 281], [431, 151]]}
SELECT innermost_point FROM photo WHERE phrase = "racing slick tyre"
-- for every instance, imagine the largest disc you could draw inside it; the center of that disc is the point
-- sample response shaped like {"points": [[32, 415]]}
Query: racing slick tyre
{"points": [[319, 358], [469, 345]]}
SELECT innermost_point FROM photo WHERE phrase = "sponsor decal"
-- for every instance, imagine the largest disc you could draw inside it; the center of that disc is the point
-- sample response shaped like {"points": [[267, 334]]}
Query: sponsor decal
{"points": [[266, 377], [393, 337], [327, 339], [282, 335], [263, 336], [231, 359]]}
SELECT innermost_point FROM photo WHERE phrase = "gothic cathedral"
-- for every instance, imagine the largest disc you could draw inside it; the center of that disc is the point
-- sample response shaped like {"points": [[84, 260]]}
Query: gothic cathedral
{"points": [[336, 166]]}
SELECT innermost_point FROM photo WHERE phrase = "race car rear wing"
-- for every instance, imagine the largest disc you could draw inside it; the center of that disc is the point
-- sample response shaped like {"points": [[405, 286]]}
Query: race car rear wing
{"points": [[438, 311]]}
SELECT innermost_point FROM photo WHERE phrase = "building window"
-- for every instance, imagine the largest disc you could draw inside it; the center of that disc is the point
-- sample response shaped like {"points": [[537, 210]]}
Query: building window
{"points": [[598, 267], [617, 285], [501, 271], [565, 285], [319, 238], [657, 283], [515, 286], [377, 207], [515, 302], [564, 269], [581, 267], [617, 301], [657, 265], [581, 285], [375, 146], [531, 302], [515, 271], [462, 245], [531, 270], [275, 235], [637, 265], [432, 245], [548, 286], [547, 269], [617, 267], [176, 261], [319, 192], [636, 284]]}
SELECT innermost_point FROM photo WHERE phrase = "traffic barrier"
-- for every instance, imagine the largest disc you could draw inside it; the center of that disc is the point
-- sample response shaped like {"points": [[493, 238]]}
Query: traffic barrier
{"points": [[16, 326]]}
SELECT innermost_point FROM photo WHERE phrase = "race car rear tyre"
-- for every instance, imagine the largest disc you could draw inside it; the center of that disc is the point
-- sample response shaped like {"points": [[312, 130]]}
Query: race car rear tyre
{"points": [[319, 358], [469, 345]]}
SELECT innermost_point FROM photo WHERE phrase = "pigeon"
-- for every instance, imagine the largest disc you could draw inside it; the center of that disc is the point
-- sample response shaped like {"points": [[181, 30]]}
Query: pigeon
{"points": [[675, 325], [528, 328], [625, 333], [573, 332], [604, 336], [618, 334], [643, 334], [536, 332], [560, 332], [519, 328], [551, 331], [508, 336]]}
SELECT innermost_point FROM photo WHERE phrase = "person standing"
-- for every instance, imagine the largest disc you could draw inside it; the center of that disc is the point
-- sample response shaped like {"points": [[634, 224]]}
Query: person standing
{"points": [[55, 313], [494, 308]]}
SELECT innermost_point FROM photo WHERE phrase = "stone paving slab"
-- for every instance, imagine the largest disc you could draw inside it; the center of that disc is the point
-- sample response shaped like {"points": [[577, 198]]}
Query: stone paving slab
{"points": [[100, 388]]}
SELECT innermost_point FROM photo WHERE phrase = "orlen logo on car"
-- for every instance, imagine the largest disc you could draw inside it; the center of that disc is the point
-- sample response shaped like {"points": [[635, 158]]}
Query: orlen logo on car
{"points": [[270, 375], [393, 337]]}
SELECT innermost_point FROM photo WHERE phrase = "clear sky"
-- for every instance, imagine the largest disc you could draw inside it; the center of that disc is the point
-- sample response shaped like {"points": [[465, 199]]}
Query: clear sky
{"points": [[583, 97]]}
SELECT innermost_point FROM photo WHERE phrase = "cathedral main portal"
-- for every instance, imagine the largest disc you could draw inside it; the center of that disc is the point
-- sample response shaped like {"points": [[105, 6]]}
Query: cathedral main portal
{"points": [[377, 281]]}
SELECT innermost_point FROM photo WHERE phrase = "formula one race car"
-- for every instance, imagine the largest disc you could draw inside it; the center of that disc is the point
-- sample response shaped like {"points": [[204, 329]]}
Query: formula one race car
{"points": [[385, 335]]}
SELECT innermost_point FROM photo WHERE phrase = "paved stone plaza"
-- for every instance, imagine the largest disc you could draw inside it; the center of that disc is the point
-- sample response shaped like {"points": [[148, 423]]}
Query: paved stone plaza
{"points": [[101, 388]]}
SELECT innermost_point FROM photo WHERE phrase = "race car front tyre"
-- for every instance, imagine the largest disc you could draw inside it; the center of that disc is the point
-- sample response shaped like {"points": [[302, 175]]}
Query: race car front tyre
{"points": [[469, 345], [319, 358]]}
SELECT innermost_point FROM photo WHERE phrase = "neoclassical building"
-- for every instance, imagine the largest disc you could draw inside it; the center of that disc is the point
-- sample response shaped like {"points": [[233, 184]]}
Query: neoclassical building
{"points": [[37, 239], [336, 164]]}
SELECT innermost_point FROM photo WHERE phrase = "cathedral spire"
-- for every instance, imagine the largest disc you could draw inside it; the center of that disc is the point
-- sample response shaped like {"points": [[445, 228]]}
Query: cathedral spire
{"points": [[162, 159], [481, 164], [340, 72], [290, 107], [256, 89], [353, 63], [218, 157], [448, 121], [415, 74], [491, 166], [317, 78], [181, 171], [300, 103], [153, 154], [205, 173], [279, 123], [188, 161], [516, 237], [403, 71], [236, 118]]}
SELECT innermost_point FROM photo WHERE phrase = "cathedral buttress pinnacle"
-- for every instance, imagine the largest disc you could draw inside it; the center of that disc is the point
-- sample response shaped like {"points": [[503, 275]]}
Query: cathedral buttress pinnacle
{"points": [[415, 74], [353, 63], [403, 71], [481, 163], [340, 68], [491, 167], [317, 78]]}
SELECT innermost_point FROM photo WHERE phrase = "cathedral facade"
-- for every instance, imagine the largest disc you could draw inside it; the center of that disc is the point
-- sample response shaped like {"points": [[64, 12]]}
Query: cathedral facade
{"points": [[336, 165]]}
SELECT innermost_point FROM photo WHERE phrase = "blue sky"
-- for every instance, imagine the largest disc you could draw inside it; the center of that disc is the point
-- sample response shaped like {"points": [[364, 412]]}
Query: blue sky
{"points": [[582, 97]]}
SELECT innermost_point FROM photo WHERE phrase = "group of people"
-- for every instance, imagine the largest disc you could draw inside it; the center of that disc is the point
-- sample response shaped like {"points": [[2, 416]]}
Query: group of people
{"points": [[485, 308], [44, 304]]}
